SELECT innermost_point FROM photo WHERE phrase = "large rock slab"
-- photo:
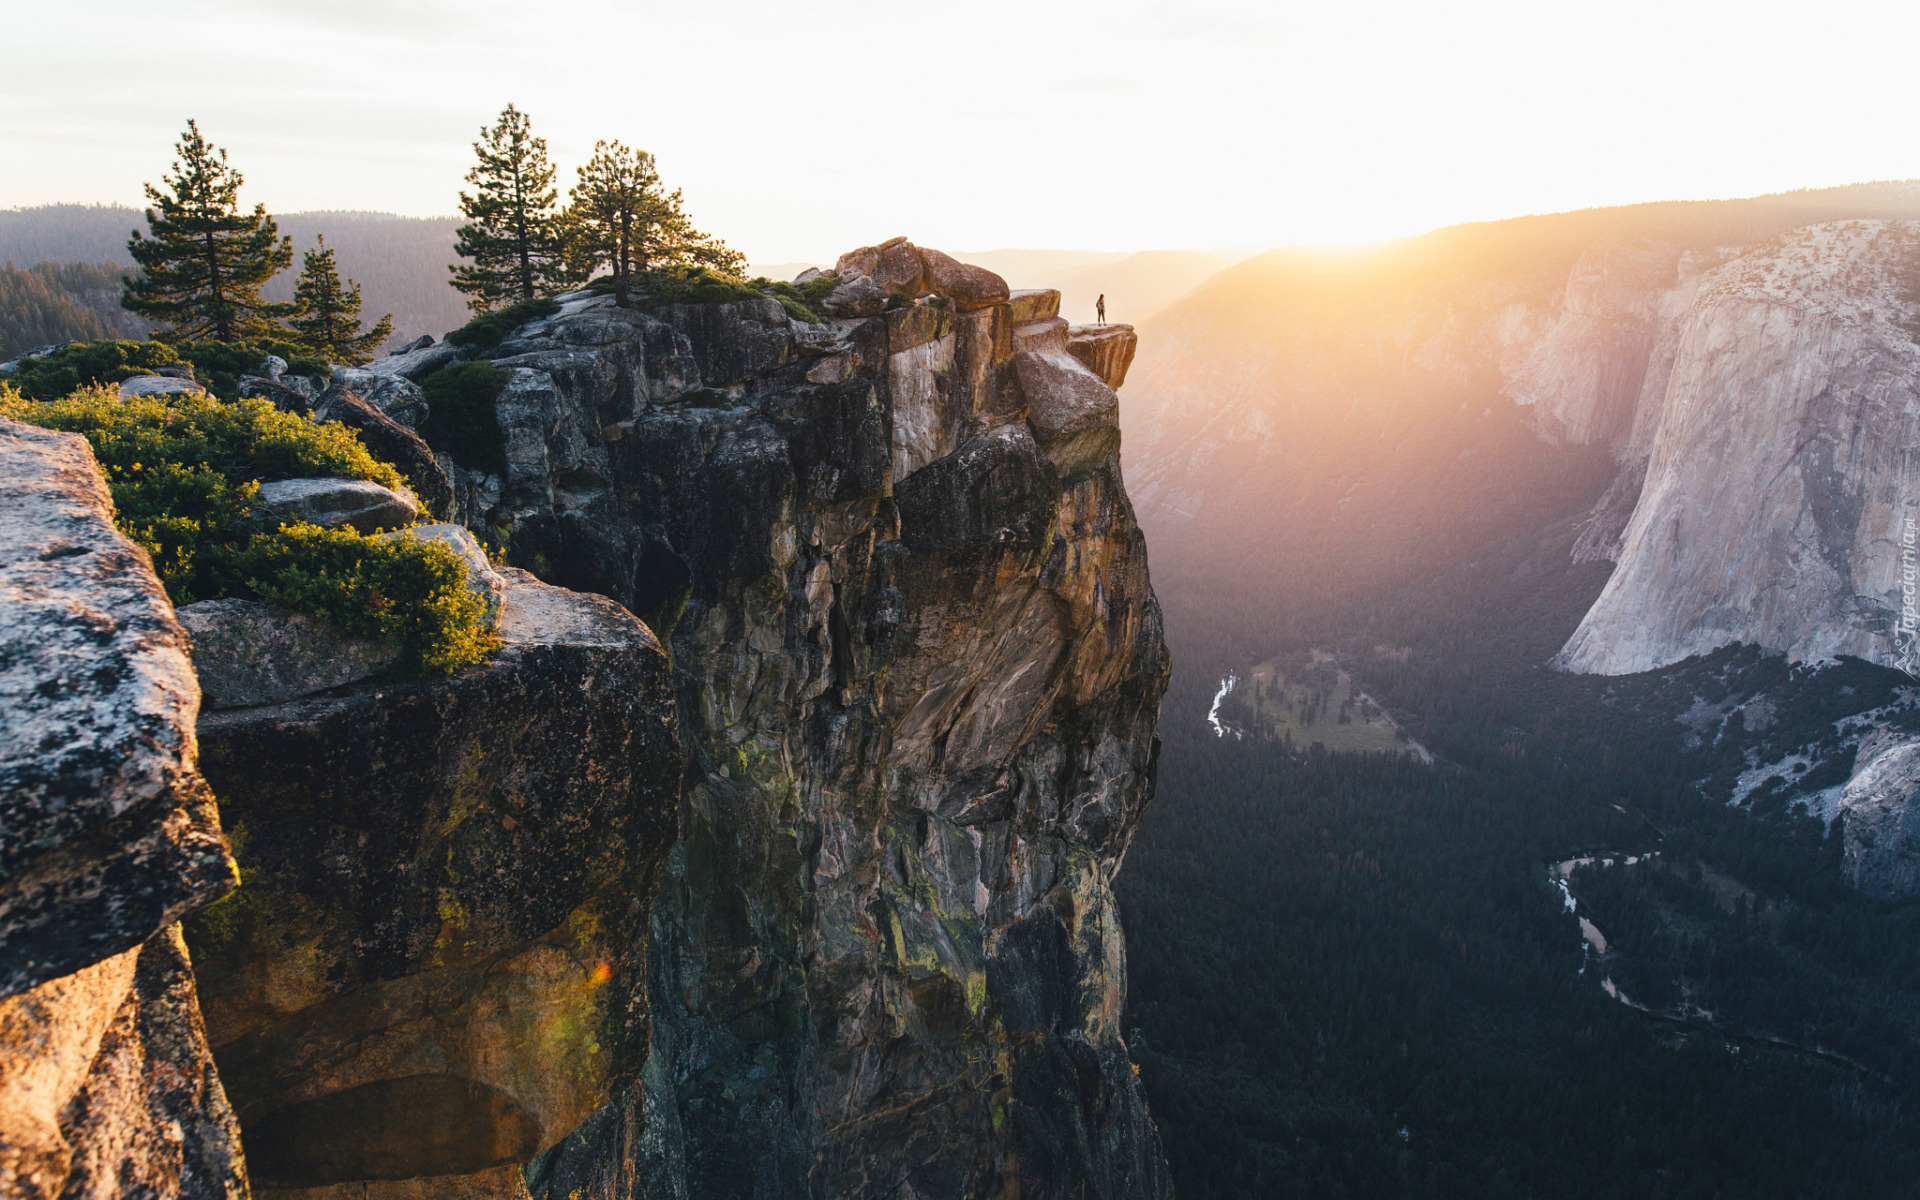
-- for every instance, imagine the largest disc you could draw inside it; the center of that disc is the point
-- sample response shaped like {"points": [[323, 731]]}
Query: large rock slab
{"points": [[1075, 416], [107, 835], [159, 385], [1106, 350], [438, 966], [107, 1087], [331, 503], [389, 389], [968, 286]]}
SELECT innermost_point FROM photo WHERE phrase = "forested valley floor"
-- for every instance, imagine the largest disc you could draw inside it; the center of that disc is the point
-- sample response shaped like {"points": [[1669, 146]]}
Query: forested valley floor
{"points": [[1354, 975]]}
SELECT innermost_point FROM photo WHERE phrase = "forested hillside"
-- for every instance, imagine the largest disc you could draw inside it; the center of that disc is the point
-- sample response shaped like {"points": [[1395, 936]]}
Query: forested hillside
{"points": [[400, 262], [62, 302]]}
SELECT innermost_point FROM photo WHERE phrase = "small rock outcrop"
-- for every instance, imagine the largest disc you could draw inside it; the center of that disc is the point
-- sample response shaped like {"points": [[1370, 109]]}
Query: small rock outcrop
{"points": [[437, 968], [108, 835], [919, 664], [1881, 804]]}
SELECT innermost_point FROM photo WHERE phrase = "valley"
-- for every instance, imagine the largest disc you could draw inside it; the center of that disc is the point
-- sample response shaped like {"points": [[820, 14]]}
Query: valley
{"points": [[1358, 974]]}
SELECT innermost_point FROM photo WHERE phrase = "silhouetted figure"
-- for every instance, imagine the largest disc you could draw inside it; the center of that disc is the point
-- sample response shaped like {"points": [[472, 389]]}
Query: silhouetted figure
{"points": [[1100, 309]]}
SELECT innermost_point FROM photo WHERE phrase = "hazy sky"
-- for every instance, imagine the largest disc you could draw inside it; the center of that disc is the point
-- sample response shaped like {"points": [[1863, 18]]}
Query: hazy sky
{"points": [[801, 129]]}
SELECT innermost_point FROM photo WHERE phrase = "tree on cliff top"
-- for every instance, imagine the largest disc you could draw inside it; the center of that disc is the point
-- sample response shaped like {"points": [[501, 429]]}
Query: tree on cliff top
{"points": [[619, 217], [205, 260], [510, 237], [328, 320]]}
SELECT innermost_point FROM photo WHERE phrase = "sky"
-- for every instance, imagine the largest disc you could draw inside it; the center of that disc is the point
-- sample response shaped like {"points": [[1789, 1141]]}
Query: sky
{"points": [[798, 130]]}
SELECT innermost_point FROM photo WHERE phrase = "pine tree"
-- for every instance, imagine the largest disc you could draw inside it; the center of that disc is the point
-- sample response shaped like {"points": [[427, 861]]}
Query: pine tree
{"points": [[328, 321], [619, 217], [511, 239], [205, 261]]}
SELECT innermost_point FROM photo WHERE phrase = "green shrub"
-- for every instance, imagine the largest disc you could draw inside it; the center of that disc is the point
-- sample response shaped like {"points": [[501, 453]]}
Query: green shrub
{"points": [[217, 366], [400, 589], [83, 364], [184, 472], [682, 285], [461, 418], [488, 330], [802, 300]]}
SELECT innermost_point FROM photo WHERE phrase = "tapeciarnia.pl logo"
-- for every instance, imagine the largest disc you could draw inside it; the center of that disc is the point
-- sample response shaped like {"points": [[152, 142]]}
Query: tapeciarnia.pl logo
{"points": [[1906, 634]]}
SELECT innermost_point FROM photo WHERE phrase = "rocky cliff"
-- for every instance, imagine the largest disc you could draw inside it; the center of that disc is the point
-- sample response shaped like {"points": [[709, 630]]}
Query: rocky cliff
{"points": [[1778, 476], [108, 835], [918, 664], [436, 967]]}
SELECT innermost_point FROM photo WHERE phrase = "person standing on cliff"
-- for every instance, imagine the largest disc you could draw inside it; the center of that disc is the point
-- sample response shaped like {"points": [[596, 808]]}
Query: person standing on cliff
{"points": [[1100, 309]]}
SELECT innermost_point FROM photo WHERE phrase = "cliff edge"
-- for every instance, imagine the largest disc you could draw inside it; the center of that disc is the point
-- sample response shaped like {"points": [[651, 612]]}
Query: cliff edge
{"points": [[919, 663]]}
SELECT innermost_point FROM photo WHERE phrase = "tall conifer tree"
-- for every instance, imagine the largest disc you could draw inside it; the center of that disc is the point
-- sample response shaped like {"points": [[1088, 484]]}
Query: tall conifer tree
{"points": [[204, 262], [620, 217], [328, 320], [511, 238]]}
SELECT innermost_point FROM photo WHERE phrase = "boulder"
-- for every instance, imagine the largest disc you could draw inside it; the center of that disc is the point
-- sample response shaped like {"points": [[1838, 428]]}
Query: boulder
{"points": [[419, 343], [857, 262], [898, 269], [159, 385], [392, 393], [415, 361], [249, 653], [275, 366], [439, 966], [390, 442], [482, 579], [1074, 415], [285, 398], [1033, 304], [894, 266], [968, 286], [809, 275], [859, 296], [1106, 350], [331, 503]]}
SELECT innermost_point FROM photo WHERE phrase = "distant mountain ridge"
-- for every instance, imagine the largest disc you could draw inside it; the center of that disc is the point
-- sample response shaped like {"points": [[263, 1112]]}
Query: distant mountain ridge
{"points": [[399, 262]]}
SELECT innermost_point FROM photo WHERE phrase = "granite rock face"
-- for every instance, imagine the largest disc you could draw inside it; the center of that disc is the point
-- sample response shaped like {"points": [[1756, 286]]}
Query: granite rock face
{"points": [[107, 837], [247, 653], [919, 664], [437, 968], [1106, 350], [1776, 487]]}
